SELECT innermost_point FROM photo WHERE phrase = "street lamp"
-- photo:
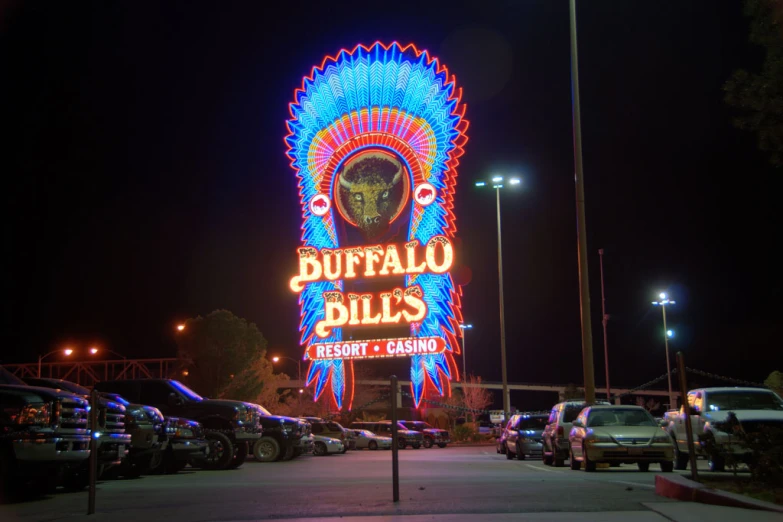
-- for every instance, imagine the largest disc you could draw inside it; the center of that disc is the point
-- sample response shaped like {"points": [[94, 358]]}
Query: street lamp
{"points": [[95, 350], [497, 184], [277, 358], [66, 351], [180, 327], [663, 303], [464, 370]]}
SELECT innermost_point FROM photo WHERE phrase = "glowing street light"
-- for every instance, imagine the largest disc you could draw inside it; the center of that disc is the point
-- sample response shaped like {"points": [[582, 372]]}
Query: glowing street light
{"points": [[464, 327], [93, 350], [66, 352], [497, 184], [277, 358], [180, 327], [663, 303]]}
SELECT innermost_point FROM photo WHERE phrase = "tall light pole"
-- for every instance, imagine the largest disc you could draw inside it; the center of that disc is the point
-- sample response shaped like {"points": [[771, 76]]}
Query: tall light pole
{"points": [[497, 184], [581, 234], [65, 351], [277, 358], [464, 327], [604, 321], [663, 303]]}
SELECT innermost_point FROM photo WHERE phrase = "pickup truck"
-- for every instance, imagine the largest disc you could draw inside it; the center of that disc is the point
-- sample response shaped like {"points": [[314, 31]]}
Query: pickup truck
{"points": [[755, 409], [43, 435], [229, 426]]}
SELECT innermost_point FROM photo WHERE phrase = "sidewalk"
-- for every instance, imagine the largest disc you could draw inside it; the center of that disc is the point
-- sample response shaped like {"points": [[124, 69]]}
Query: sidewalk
{"points": [[658, 512]]}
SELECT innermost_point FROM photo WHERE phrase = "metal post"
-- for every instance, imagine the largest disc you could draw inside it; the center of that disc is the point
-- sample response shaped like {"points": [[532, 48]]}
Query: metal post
{"points": [[93, 451], [506, 405], [687, 414], [668, 366], [39, 367], [584, 284], [464, 369], [395, 445], [604, 321]]}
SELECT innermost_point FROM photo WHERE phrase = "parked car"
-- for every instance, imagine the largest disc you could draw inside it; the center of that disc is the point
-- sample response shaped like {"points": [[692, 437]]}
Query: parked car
{"points": [[327, 445], [625, 434], [432, 435], [755, 409], [369, 440], [43, 437], [284, 438], [523, 435], [334, 430], [405, 437], [555, 441], [113, 442], [228, 425]]}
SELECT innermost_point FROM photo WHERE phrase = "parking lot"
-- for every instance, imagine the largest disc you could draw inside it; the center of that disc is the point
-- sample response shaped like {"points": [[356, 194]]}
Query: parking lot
{"points": [[452, 480]]}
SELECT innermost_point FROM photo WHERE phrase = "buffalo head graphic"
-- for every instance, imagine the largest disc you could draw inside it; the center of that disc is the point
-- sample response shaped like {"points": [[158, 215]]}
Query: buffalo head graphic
{"points": [[371, 193]]}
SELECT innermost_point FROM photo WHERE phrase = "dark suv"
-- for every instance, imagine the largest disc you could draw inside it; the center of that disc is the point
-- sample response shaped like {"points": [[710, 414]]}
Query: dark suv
{"points": [[284, 438], [432, 436], [405, 437], [229, 426]]}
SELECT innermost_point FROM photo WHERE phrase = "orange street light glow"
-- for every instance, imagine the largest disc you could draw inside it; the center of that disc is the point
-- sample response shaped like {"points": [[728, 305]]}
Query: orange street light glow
{"points": [[180, 327], [93, 351], [68, 351], [275, 359]]}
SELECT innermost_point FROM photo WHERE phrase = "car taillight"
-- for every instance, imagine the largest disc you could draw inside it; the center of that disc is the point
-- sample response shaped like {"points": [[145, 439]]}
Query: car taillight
{"points": [[560, 431]]}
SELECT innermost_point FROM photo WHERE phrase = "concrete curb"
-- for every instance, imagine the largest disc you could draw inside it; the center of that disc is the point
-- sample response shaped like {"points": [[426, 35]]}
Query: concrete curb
{"points": [[681, 488]]}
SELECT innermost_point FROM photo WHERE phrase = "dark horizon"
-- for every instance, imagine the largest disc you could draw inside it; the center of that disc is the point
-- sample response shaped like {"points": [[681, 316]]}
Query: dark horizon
{"points": [[149, 181]]}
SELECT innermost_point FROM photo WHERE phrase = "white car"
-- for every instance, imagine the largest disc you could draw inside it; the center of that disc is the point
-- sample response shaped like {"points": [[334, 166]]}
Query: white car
{"points": [[327, 445], [368, 439]]}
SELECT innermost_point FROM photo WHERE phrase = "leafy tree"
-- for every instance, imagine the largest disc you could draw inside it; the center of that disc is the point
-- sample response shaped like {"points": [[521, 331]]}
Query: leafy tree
{"points": [[257, 384], [759, 95], [572, 392], [218, 348], [775, 382]]}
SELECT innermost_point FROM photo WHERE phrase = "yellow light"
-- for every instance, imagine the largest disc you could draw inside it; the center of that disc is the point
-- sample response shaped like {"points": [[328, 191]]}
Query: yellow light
{"points": [[185, 373], [93, 350], [275, 359], [68, 351], [180, 327]]}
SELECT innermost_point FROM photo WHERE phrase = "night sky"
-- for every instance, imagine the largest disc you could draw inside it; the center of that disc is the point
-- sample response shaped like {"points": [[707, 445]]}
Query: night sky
{"points": [[145, 179]]}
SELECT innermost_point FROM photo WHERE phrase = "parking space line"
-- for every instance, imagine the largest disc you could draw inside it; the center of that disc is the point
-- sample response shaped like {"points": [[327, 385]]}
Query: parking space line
{"points": [[649, 486], [540, 469]]}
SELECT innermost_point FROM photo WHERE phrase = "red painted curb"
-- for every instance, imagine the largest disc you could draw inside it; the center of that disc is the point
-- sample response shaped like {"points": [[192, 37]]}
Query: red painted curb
{"points": [[681, 488]]}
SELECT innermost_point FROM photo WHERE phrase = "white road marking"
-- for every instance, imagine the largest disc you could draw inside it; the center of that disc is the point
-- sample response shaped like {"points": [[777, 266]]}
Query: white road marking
{"points": [[541, 469]]}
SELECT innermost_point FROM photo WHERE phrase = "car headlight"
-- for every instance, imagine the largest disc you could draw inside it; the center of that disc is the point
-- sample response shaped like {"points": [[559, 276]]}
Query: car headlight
{"points": [[35, 414], [597, 439]]}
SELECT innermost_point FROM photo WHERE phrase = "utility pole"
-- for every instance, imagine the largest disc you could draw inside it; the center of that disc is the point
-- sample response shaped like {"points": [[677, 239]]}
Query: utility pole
{"points": [[604, 321], [584, 284]]}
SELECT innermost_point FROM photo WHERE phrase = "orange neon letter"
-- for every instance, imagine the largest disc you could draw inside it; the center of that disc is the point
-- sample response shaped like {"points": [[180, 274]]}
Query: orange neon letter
{"points": [[328, 255], [411, 257], [386, 300], [391, 260], [367, 317], [353, 256], [353, 303], [448, 255], [372, 255], [336, 314], [413, 298], [309, 268]]}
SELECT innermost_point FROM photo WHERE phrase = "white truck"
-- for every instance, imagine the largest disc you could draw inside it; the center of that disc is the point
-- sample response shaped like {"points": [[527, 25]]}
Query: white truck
{"points": [[755, 409]]}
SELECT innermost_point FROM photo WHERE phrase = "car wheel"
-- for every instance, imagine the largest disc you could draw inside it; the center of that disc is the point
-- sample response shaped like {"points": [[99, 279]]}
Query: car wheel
{"points": [[401, 443], [520, 455], [546, 459], [509, 454], [680, 458], [667, 466], [416, 445], [266, 449], [643, 466], [557, 460], [572, 462], [427, 442], [589, 464], [221, 451], [319, 449], [240, 455], [441, 444], [373, 445], [717, 464]]}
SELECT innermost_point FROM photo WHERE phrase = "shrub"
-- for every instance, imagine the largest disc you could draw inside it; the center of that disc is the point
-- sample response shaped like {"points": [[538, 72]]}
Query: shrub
{"points": [[464, 432]]}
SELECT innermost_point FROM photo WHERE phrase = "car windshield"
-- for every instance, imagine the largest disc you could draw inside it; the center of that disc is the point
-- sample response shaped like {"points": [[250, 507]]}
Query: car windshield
{"points": [[743, 400], [187, 392], [620, 417], [417, 425], [264, 411], [533, 423], [367, 433]]}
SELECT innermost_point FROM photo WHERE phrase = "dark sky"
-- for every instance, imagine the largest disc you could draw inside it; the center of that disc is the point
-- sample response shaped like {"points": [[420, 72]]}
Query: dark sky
{"points": [[145, 179]]}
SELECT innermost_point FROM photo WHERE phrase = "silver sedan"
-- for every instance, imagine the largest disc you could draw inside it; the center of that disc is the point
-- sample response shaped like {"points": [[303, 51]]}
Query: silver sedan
{"points": [[369, 440], [327, 445]]}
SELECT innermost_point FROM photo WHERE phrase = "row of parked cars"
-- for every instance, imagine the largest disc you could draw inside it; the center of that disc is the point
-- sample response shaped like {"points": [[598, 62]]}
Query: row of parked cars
{"points": [[587, 435]]}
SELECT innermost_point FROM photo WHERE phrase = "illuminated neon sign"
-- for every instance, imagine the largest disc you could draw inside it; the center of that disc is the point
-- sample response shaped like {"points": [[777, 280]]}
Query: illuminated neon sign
{"points": [[374, 137]]}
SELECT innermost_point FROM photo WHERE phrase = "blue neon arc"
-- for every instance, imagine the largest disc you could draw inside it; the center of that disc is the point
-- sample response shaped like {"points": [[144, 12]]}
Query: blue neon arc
{"points": [[410, 82]]}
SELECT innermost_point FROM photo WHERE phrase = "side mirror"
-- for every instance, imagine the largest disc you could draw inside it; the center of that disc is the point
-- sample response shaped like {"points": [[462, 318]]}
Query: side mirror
{"points": [[175, 401], [577, 424], [663, 423]]}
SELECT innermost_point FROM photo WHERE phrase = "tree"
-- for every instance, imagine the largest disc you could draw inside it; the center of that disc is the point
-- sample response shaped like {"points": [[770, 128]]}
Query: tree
{"points": [[650, 405], [775, 382], [571, 392], [475, 397], [365, 395], [759, 96], [217, 348], [257, 384]]}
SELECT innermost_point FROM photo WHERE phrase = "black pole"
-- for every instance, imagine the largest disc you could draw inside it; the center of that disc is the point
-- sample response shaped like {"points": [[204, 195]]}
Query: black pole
{"points": [[687, 414], [93, 463], [395, 445]]}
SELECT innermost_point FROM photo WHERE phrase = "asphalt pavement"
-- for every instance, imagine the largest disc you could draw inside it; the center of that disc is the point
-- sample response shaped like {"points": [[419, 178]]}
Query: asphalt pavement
{"points": [[435, 484]]}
